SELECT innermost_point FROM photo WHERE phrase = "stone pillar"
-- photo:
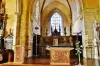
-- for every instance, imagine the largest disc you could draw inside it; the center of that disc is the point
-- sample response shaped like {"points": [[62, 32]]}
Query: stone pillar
{"points": [[22, 33], [31, 10], [19, 54], [30, 39]]}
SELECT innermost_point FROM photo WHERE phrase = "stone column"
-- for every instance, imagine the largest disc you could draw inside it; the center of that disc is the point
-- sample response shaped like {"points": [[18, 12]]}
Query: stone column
{"points": [[30, 34], [22, 33]]}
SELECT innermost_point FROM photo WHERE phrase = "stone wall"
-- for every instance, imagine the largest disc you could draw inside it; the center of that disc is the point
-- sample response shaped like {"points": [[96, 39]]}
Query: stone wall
{"points": [[90, 15]]}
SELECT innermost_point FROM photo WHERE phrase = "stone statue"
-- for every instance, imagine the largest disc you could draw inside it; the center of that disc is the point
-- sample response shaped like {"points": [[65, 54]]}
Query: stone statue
{"points": [[96, 33], [96, 28]]}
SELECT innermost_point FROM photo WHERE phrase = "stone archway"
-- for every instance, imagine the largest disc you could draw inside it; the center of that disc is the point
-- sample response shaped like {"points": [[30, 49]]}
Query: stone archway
{"points": [[64, 10], [64, 19]]}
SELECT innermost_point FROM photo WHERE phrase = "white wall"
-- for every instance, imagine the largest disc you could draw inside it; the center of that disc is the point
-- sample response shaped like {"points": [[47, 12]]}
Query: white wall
{"points": [[36, 19], [77, 23]]}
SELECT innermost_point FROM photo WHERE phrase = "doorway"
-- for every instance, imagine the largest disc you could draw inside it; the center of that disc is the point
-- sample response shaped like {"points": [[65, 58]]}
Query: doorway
{"points": [[36, 46]]}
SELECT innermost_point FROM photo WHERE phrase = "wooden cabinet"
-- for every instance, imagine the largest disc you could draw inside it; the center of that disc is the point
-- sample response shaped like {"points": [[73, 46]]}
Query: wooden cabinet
{"points": [[62, 40], [3, 56], [6, 56]]}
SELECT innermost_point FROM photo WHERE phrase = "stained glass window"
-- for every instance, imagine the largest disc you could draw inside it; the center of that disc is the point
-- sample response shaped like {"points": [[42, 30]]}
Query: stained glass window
{"points": [[57, 22]]}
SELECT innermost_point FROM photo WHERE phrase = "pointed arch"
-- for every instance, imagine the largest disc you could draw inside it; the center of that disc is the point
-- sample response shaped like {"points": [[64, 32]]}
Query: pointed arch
{"points": [[56, 22], [63, 10]]}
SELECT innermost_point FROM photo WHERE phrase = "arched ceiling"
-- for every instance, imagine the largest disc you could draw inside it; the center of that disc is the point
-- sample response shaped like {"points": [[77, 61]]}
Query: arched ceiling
{"points": [[59, 6], [55, 6], [86, 3]]}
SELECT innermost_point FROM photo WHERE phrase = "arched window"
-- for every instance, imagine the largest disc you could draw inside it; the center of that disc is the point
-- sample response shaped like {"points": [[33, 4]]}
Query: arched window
{"points": [[57, 23]]}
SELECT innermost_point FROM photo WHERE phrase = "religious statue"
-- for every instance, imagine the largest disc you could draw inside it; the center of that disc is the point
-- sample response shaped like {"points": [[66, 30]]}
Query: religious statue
{"points": [[96, 30]]}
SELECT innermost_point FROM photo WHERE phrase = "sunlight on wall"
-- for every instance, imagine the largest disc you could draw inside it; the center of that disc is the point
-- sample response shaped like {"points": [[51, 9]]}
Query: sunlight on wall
{"points": [[14, 32], [99, 3], [10, 6], [10, 10]]}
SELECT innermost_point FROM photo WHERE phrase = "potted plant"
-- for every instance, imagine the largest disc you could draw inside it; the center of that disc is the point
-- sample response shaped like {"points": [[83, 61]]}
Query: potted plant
{"points": [[78, 49]]}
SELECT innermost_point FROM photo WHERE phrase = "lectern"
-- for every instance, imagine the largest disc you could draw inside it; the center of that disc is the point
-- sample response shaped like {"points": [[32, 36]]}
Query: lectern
{"points": [[59, 55]]}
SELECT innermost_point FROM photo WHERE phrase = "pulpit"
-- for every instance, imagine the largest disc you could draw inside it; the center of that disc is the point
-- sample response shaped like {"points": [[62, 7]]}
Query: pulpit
{"points": [[59, 55]]}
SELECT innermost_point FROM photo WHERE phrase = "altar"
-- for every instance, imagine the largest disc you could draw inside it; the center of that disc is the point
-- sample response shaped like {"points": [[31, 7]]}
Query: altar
{"points": [[59, 55]]}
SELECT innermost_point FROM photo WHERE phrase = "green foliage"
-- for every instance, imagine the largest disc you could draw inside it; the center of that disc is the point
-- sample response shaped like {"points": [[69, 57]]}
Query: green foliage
{"points": [[78, 49]]}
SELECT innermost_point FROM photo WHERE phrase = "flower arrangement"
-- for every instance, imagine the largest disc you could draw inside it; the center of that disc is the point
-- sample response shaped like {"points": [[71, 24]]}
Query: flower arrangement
{"points": [[78, 49]]}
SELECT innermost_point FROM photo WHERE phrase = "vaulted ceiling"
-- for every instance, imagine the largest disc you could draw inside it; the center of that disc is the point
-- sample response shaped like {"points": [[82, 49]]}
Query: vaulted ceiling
{"points": [[86, 3]]}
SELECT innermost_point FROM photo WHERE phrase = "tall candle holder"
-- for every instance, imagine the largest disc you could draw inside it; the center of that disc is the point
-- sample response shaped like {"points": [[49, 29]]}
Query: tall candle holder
{"points": [[78, 49]]}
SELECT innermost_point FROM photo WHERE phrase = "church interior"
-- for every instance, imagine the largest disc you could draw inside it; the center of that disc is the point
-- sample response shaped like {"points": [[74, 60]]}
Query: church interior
{"points": [[50, 32]]}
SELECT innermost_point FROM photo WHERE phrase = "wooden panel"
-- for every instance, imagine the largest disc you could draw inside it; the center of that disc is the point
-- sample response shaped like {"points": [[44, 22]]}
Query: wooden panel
{"points": [[47, 40], [61, 40]]}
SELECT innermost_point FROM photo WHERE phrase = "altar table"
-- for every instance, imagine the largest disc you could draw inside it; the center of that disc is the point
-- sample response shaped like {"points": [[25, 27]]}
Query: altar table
{"points": [[59, 55]]}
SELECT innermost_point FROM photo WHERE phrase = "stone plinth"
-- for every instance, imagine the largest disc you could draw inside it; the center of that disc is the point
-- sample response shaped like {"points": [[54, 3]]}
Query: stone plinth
{"points": [[19, 54], [59, 55]]}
